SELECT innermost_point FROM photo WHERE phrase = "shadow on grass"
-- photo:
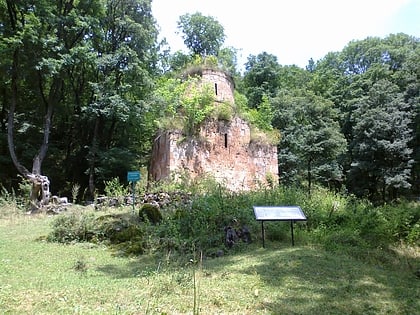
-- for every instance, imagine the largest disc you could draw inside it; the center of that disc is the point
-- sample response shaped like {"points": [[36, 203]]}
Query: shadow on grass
{"points": [[132, 267], [298, 280], [305, 280]]}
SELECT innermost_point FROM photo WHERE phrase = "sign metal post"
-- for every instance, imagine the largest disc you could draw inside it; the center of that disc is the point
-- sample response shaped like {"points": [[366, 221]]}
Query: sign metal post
{"points": [[133, 177]]}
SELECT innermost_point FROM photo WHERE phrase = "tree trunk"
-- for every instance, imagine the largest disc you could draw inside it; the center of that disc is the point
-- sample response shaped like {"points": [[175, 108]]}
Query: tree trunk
{"points": [[40, 192], [92, 159]]}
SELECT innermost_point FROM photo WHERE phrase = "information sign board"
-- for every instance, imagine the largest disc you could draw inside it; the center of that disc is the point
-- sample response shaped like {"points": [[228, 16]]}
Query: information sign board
{"points": [[280, 213], [133, 176]]}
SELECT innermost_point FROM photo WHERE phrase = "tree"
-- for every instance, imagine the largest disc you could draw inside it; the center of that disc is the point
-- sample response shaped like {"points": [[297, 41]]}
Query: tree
{"points": [[203, 35], [381, 155], [86, 67], [347, 77], [311, 141], [228, 61], [125, 44], [27, 30], [261, 78]]}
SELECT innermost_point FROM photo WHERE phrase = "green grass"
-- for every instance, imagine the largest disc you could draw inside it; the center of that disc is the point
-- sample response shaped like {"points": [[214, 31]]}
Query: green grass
{"points": [[38, 277]]}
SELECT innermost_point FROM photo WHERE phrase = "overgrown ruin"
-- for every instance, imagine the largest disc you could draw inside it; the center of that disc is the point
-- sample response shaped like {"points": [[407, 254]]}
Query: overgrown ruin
{"points": [[222, 149]]}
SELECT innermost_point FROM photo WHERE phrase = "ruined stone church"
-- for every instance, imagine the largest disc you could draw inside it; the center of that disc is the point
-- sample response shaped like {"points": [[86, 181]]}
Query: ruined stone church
{"points": [[222, 149]]}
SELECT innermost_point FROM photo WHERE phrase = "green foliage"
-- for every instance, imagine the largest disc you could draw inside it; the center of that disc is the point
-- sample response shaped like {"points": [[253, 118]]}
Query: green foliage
{"points": [[261, 78], [8, 203], [338, 223], [203, 35], [122, 232], [73, 226], [92, 64], [311, 143], [228, 60], [262, 116], [12, 202], [189, 102], [196, 107], [100, 89], [25, 187], [113, 188], [224, 111], [382, 157]]}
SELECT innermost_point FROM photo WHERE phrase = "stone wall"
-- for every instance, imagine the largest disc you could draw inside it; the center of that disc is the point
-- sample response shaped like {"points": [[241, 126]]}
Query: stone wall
{"points": [[222, 82], [223, 149]]}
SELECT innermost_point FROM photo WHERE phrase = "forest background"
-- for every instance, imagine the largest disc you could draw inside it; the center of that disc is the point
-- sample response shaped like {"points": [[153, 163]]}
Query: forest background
{"points": [[80, 101]]}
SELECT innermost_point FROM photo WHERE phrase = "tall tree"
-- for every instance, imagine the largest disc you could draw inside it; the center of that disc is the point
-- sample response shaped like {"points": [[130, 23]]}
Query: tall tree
{"points": [[261, 77], [382, 158], [347, 78], [89, 64], [126, 57], [38, 54], [203, 35], [311, 141]]}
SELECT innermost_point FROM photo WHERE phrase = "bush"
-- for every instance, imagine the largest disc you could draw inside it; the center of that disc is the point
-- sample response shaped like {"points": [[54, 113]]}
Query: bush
{"points": [[343, 238], [401, 220], [413, 236], [335, 222], [224, 111], [114, 189], [72, 226]]}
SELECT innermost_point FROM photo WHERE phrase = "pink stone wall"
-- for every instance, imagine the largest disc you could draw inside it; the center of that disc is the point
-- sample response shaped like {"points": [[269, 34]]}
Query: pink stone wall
{"points": [[223, 149], [224, 152]]}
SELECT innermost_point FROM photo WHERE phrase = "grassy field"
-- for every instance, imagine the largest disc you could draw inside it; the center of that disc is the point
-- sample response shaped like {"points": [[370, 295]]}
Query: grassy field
{"points": [[38, 277]]}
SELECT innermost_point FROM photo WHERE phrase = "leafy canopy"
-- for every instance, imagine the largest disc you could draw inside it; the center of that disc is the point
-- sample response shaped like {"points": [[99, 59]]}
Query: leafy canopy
{"points": [[203, 35]]}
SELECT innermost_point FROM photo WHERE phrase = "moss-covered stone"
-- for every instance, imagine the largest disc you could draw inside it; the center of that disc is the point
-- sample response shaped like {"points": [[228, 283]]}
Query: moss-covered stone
{"points": [[151, 213]]}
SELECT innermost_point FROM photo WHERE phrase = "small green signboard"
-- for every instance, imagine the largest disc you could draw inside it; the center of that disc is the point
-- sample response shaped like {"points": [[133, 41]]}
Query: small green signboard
{"points": [[133, 176]]}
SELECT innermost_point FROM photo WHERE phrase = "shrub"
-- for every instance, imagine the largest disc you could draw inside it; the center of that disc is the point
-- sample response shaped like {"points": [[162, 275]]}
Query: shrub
{"points": [[72, 226], [343, 238], [335, 222], [114, 189], [413, 236], [401, 219], [224, 111]]}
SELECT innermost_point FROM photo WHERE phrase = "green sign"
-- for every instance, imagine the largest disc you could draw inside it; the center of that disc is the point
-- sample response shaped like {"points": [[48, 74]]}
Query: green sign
{"points": [[133, 176]]}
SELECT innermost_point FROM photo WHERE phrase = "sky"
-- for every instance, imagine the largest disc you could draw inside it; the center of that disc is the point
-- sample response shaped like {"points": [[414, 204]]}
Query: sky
{"points": [[292, 30]]}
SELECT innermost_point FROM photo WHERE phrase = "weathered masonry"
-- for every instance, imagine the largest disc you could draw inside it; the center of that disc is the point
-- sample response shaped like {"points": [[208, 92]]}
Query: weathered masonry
{"points": [[223, 149]]}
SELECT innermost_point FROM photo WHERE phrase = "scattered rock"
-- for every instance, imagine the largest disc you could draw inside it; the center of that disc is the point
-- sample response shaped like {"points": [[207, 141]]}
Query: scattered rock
{"points": [[235, 233]]}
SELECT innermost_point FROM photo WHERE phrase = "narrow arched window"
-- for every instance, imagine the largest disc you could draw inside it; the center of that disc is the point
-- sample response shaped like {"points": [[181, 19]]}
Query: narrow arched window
{"points": [[226, 140]]}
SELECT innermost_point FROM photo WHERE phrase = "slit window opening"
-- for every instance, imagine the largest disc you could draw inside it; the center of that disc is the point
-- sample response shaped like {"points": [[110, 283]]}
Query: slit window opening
{"points": [[215, 88], [226, 140]]}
